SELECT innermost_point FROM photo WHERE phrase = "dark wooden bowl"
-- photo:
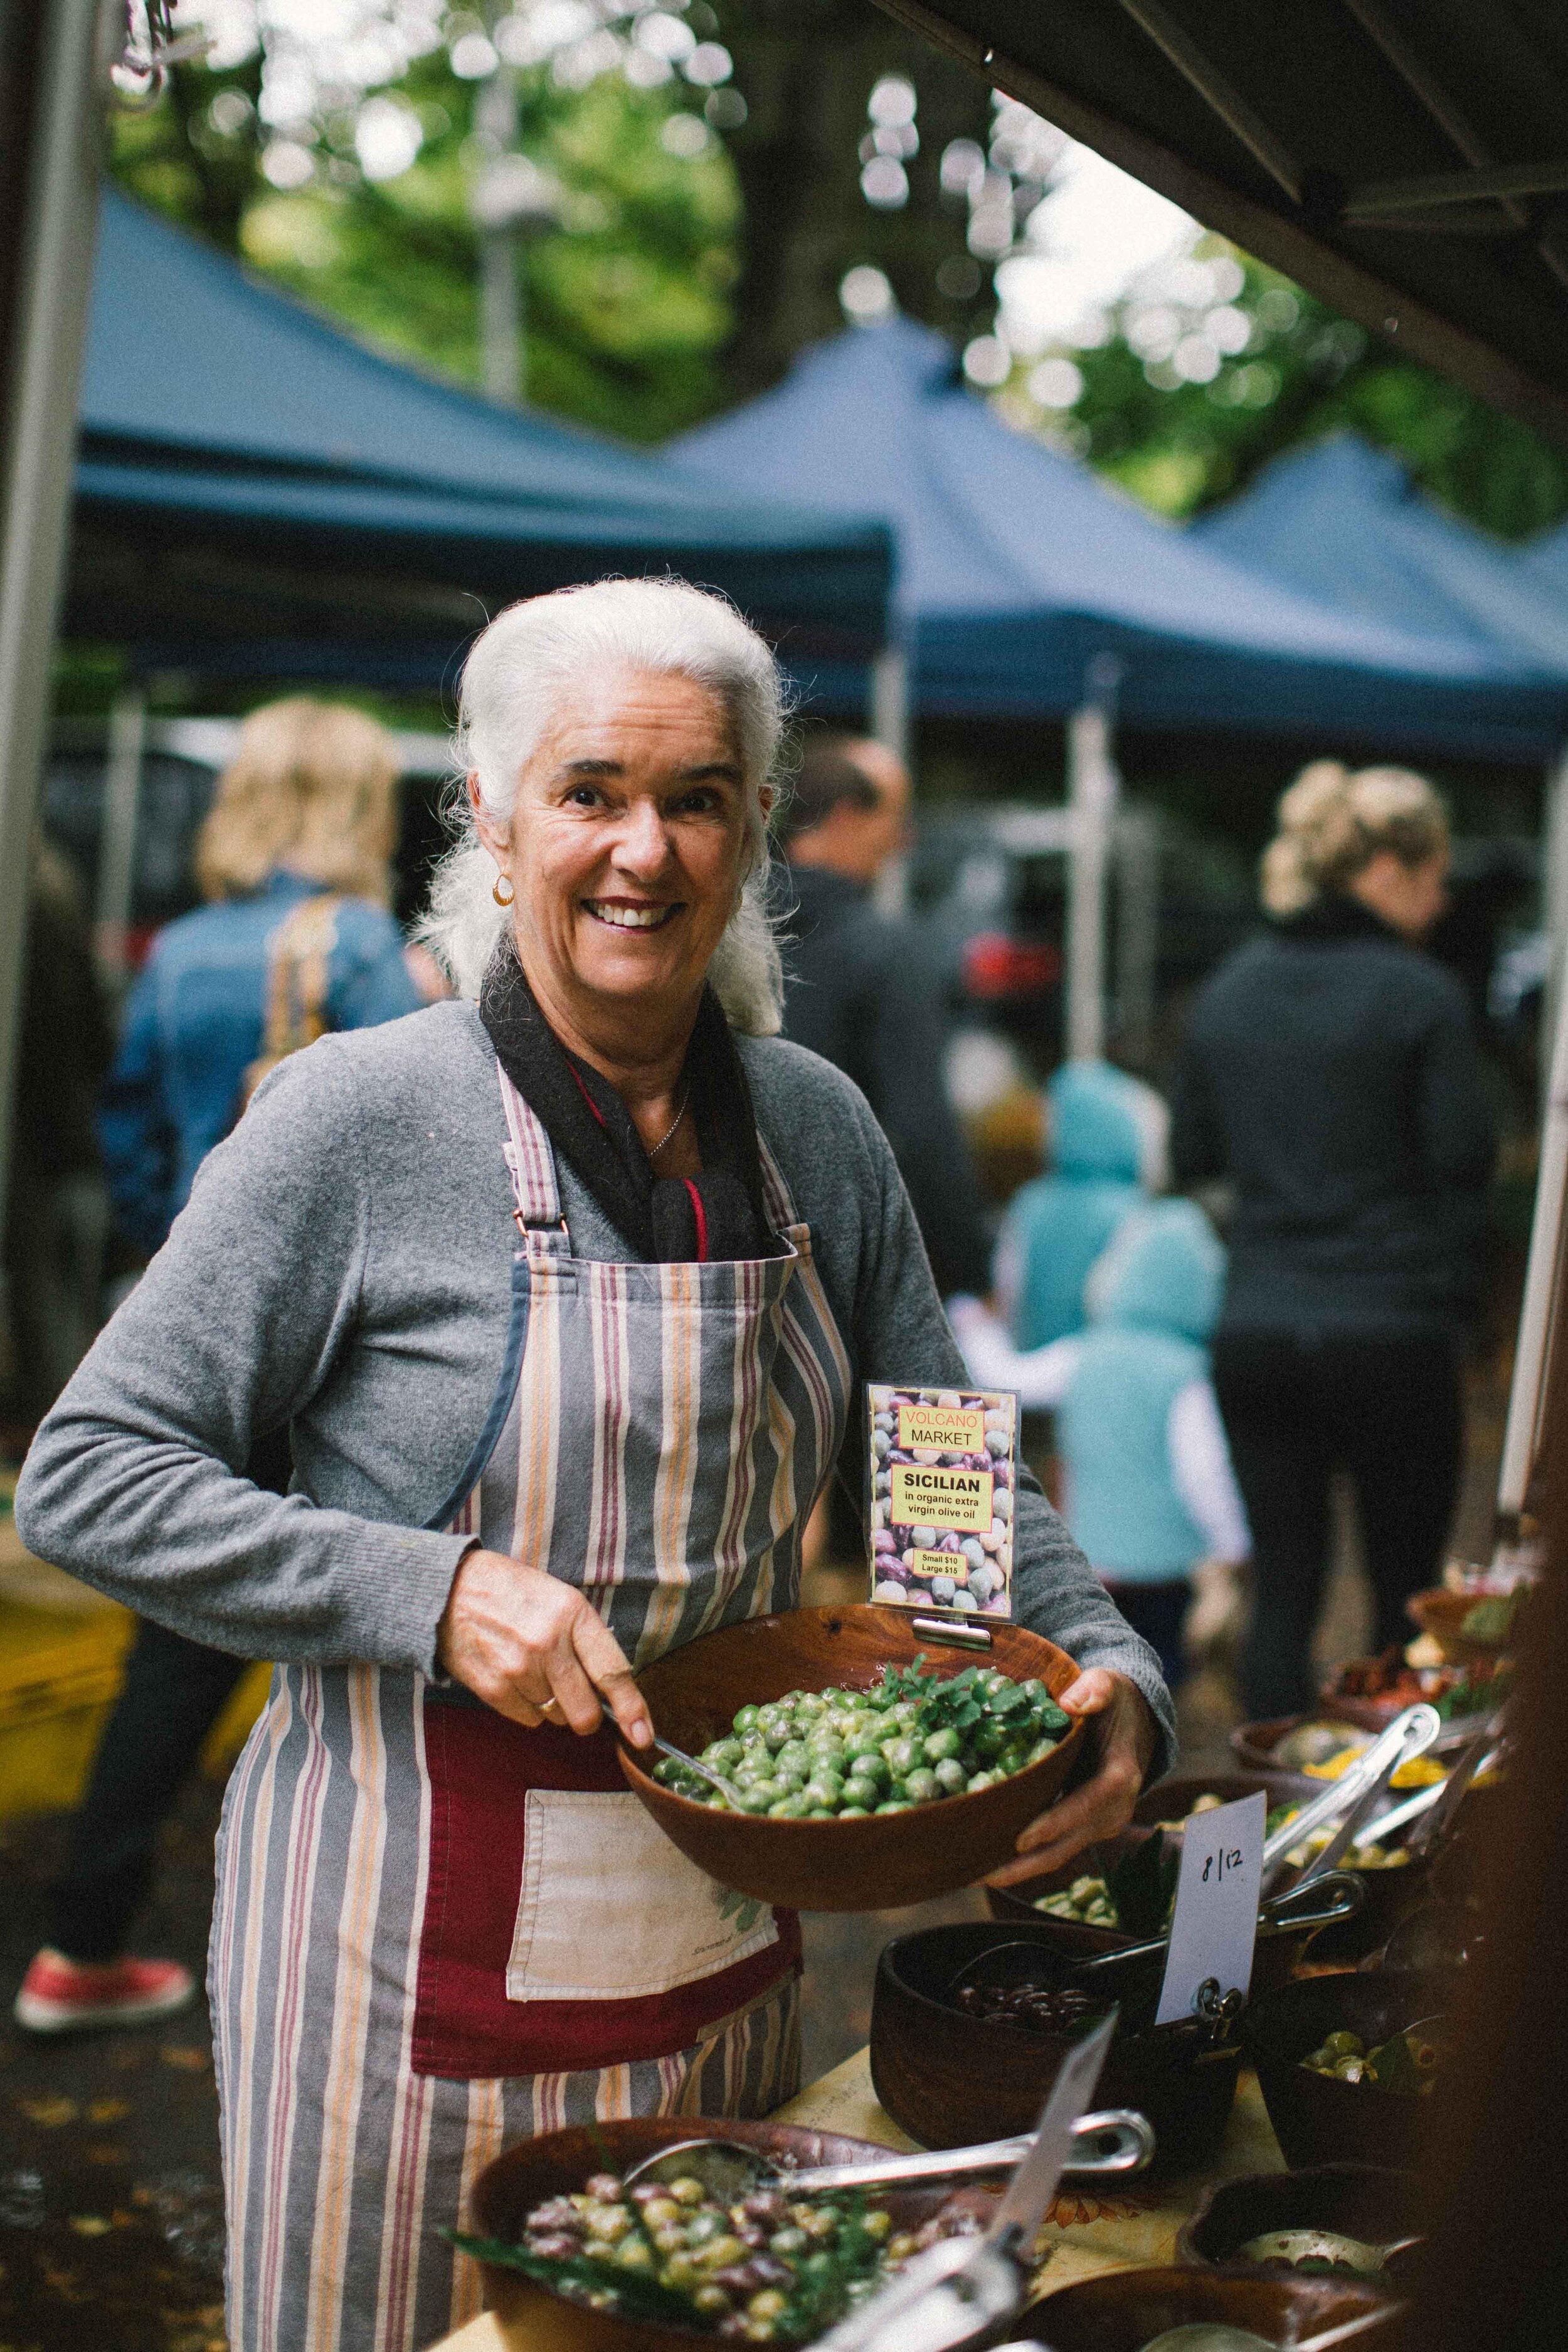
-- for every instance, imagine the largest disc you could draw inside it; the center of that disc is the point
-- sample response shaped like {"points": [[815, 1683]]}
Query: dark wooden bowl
{"points": [[948, 2079], [1124, 2311], [1252, 1744], [1276, 1956], [558, 2163], [1364, 2200], [1173, 1798], [1318, 2120], [871, 1866], [1440, 1613]]}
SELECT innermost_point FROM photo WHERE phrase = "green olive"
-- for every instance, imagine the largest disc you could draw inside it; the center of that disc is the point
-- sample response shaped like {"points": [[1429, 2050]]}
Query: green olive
{"points": [[951, 1776], [860, 1795], [941, 1745], [922, 1785]]}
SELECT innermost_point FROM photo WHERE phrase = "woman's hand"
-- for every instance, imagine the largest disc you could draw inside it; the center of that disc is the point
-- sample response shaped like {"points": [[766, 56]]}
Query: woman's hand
{"points": [[1120, 1725], [532, 1648]]}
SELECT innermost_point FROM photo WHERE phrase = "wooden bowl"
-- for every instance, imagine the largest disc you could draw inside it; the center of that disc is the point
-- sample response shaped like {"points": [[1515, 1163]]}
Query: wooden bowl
{"points": [[948, 2079], [558, 2163], [1440, 1613], [1279, 1951], [1363, 2200], [1318, 2120], [868, 1865], [1121, 2312], [1173, 1798]]}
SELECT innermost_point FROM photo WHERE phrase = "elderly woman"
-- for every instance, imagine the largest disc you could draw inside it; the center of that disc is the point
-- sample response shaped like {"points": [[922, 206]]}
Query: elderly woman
{"points": [[564, 1296]]}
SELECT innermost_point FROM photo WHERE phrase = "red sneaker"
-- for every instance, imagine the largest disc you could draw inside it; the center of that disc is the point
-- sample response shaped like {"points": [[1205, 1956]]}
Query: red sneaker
{"points": [[61, 1996]]}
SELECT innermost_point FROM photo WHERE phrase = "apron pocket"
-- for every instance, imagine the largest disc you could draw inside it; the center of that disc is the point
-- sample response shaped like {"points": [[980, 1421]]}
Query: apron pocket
{"points": [[507, 1805], [610, 1911]]}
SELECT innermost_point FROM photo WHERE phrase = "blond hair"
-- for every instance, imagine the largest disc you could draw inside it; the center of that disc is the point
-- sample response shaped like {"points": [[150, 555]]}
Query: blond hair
{"points": [[1333, 821], [523, 670], [310, 787]]}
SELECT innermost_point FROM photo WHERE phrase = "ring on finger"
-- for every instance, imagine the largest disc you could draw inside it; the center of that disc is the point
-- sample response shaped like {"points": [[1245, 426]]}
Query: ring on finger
{"points": [[550, 1705]]}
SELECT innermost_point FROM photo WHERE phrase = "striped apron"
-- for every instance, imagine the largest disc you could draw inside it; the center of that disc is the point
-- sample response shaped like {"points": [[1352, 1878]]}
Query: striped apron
{"points": [[437, 1933]]}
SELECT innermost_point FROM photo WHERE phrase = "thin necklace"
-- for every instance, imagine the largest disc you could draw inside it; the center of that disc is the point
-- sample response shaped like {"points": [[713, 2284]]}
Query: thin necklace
{"points": [[655, 1149]]}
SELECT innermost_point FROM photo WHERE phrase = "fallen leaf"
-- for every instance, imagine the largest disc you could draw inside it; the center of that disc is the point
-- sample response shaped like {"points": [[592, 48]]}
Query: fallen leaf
{"points": [[108, 2111], [190, 2061], [48, 2114], [103, 2151], [88, 2225]]}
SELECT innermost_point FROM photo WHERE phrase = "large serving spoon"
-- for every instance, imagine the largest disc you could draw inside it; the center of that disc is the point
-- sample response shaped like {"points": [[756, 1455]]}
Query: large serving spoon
{"points": [[1224, 2335], [1324, 2246], [728, 2170]]}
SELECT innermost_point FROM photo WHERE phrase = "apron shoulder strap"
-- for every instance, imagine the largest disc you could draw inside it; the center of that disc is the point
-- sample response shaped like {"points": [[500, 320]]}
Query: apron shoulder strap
{"points": [[530, 1161], [776, 1197]]}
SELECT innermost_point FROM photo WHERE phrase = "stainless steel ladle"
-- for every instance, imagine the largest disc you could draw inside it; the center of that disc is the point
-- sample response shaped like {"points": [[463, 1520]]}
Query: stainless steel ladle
{"points": [[728, 2170]]}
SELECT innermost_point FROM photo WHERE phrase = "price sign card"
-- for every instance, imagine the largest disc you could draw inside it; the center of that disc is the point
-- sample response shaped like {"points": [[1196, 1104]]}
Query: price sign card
{"points": [[943, 1485], [1216, 1923]]}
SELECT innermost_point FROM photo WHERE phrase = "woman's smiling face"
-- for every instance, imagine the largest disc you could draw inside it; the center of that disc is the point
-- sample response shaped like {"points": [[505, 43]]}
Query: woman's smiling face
{"points": [[626, 846]]}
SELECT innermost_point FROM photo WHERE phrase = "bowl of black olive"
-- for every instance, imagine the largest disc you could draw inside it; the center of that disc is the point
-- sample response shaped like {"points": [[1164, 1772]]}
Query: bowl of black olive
{"points": [[971, 2024]]}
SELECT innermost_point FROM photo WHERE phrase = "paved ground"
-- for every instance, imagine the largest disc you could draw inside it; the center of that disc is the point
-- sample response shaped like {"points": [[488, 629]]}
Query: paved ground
{"points": [[111, 2212]]}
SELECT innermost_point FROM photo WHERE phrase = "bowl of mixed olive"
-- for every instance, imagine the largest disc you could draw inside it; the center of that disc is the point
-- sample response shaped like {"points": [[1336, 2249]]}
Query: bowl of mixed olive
{"points": [[1351, 2066], [592, 2260], [861, 1767]]}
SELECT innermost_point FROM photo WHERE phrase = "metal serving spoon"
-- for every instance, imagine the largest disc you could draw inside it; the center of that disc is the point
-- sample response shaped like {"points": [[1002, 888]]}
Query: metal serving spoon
{"points": [[1222, 2336], [1323, 2246], [726, 1788], [728, 2169]]}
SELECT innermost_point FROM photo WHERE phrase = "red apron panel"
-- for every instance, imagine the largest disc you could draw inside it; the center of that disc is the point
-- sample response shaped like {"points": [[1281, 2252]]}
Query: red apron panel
{"points": [[481, 1767]]}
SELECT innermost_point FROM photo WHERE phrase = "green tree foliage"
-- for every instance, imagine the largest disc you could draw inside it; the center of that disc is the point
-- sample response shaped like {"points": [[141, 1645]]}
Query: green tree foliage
{"points": [[733, 172], [1184, 442], [628, 305]]}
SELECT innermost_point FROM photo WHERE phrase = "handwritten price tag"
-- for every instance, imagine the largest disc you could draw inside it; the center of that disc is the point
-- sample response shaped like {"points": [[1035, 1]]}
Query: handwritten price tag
{"points": [[1215, 1922]]}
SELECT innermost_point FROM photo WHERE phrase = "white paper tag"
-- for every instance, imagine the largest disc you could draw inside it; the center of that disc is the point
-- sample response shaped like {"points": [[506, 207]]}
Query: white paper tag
{"points": [[1216, 1923]]}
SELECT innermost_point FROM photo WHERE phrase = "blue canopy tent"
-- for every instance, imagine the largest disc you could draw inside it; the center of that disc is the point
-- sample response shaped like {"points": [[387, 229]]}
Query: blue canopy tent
{"points": [[256, 492], [1344, 522], [1019, 568], [1546, 561]]}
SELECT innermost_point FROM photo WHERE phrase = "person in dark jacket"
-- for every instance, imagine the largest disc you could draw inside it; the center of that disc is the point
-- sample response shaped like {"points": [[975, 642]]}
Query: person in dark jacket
{"points": [[862, 990], [1331, 1076]]}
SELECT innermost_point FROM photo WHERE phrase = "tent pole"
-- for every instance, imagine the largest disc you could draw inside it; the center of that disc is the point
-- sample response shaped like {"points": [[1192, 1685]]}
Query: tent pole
{"points": [[1137, 838], [1092, 789], [1527, 1389], [888, 701], [47, 329], [117, 843], [1554, 907]]}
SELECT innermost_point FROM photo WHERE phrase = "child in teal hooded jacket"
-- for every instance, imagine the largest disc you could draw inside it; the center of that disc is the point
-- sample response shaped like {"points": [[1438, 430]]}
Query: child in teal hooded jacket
{"points": [[1150, 1493], [1108, 1150]]}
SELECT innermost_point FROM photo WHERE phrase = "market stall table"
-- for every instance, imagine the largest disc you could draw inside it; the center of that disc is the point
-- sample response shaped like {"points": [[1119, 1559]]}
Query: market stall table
{"points": [[1088, 2233]]}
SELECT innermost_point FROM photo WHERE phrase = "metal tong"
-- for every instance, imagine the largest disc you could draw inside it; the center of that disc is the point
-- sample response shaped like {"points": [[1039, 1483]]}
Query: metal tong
{"points": [[1408, 1735], [957, 2290]]}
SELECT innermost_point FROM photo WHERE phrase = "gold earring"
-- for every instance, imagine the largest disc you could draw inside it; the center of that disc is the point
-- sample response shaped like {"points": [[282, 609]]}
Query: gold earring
{"points": [[496, 890]]}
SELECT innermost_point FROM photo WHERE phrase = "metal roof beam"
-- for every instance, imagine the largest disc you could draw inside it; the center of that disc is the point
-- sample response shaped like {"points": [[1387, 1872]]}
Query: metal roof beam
{"points": [[1372, 16], [1380, 200], [1211, 87]]}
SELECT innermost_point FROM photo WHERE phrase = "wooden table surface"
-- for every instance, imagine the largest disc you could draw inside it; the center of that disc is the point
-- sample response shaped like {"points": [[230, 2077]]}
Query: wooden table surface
{"points": [[1087, 2233]]}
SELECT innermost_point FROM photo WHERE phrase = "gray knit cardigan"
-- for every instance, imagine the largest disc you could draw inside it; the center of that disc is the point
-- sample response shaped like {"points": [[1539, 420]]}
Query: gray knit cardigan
{"points": [[343, 1268]]}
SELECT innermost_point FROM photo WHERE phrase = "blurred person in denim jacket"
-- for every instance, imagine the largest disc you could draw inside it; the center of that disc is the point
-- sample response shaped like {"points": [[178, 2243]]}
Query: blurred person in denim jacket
{"points": [[297, 939], [305, 811]]}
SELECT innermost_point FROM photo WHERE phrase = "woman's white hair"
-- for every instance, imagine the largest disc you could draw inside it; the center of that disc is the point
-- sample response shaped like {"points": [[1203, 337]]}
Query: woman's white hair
{"points": [[521, 673]]}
